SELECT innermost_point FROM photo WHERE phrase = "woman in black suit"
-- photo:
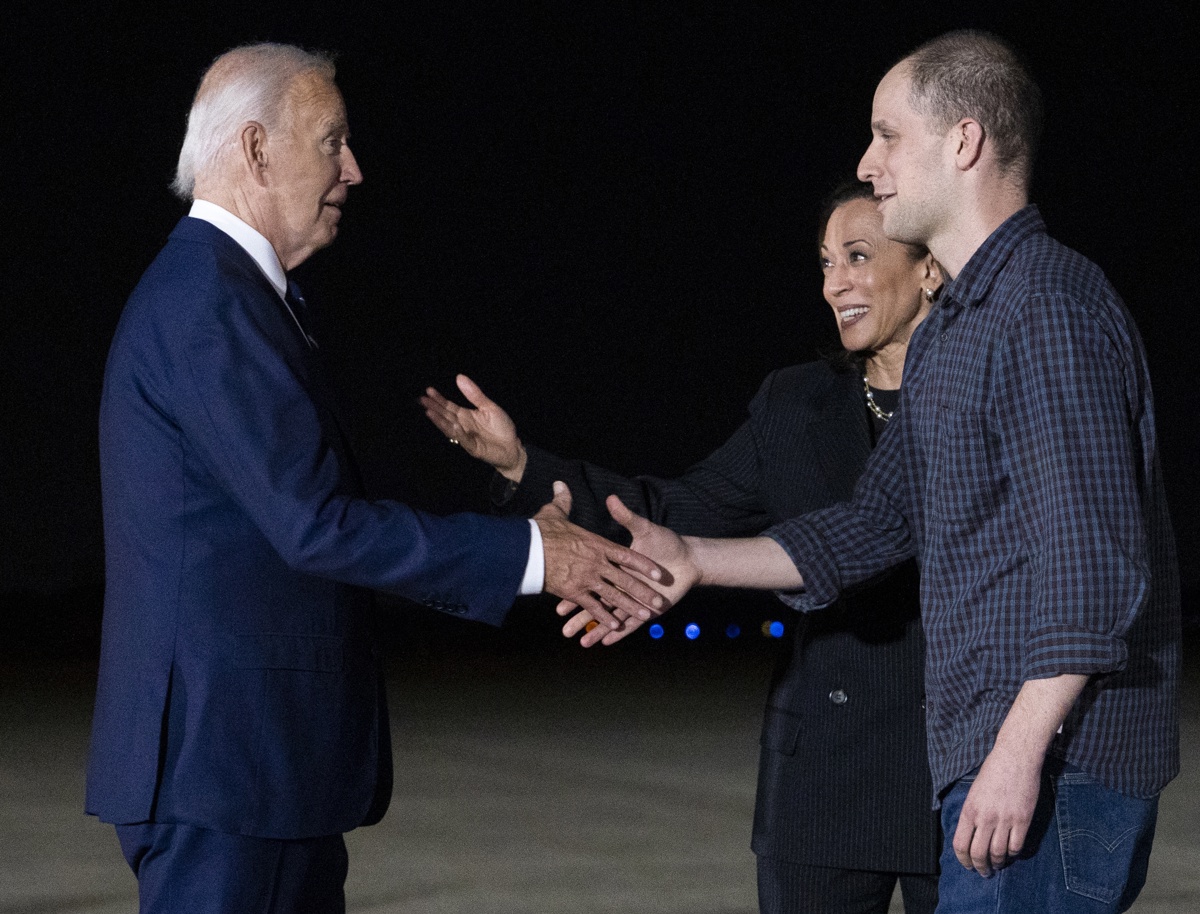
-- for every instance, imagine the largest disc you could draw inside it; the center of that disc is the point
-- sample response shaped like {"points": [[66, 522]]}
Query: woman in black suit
{"points": [[844, 792]]}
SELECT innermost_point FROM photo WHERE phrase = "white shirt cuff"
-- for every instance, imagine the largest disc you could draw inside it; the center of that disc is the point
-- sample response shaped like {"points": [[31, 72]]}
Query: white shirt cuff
{"points": [[535, 568]]}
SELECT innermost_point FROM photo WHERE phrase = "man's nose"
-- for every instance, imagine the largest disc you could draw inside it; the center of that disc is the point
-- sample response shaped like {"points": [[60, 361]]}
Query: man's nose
{"points": [[351, 173], [868, 168]]}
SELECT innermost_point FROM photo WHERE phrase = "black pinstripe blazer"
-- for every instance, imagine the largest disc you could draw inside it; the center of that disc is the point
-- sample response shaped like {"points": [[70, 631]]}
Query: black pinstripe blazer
{"points": [[843, 777]]}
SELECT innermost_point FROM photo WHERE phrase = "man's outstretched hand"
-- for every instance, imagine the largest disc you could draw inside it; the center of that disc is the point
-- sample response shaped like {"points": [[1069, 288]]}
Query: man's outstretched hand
{"points": [[667, 548], [607, 580]]}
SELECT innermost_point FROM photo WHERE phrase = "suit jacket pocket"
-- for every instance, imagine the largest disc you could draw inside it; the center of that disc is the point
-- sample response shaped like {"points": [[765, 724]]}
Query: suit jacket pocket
{"points": [[780, 731], [271, 651]]}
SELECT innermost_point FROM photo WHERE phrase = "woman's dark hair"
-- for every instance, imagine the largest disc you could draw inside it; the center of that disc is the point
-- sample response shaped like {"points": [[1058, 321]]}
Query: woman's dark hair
{"points": [[843, 194], [840, 196]]}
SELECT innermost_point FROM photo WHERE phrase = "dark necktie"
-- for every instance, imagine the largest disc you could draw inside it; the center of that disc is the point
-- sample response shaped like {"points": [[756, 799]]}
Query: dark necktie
{"points": [[321, 391], [299, 311]]}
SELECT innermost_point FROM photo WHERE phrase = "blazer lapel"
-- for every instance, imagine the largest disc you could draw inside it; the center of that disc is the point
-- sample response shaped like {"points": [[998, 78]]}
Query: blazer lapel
{"points": [[325, 400], [839, 433]]}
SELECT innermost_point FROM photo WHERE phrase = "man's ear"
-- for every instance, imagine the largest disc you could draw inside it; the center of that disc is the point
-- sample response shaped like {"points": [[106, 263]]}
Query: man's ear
{"points": [[967, 136], [253, 140]]}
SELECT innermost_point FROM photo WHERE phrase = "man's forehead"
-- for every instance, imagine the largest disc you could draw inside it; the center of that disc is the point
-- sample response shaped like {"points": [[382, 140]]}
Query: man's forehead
{"points": [[894, 102], [894, 91], [313, 95]]}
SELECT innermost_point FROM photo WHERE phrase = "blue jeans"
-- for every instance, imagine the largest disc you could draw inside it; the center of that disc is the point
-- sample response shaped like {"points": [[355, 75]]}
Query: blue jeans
{"points": [[1086, 851]]}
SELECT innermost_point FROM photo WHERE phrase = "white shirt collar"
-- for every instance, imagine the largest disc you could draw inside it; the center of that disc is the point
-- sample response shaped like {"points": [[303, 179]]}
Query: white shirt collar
{"points": [[250, 240]]}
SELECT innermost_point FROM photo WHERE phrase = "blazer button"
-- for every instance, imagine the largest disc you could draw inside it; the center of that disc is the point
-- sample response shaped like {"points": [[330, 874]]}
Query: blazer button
{"points": [[838, 697]]}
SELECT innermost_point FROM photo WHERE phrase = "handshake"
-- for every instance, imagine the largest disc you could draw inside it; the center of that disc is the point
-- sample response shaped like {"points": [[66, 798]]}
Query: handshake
{"points": [[599, 582]]}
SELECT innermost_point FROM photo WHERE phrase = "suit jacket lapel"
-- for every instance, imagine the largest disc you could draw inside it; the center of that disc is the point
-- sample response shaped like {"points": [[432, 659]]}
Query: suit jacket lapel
{"points": [[326, 403], [307, 360], [839, 433]]}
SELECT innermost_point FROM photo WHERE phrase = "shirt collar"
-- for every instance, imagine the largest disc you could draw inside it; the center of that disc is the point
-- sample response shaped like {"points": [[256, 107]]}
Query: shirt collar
{"points": [[249, 239], [974, 280]]}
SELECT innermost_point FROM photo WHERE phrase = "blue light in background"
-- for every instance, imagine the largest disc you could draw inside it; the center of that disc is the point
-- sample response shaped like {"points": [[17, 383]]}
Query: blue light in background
{"points": [[692, 631], [732, 630], [776, 629], [656, 631]]}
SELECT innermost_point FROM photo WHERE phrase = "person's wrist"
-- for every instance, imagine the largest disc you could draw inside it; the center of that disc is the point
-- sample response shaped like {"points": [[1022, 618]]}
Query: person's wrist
{"points": [[515, 472], [695, 548]]}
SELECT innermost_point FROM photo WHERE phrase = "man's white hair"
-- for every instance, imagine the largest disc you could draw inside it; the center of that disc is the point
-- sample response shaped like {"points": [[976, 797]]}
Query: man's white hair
{"points": [[249, 83]]}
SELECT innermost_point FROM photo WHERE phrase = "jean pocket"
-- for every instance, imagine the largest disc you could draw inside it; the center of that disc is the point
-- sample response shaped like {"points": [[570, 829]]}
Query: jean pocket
{"points": [[1104, 837]]}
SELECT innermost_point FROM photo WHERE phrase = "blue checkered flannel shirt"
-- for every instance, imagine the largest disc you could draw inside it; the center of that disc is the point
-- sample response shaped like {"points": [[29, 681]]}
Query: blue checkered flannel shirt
{"points": [[1022, 470]]}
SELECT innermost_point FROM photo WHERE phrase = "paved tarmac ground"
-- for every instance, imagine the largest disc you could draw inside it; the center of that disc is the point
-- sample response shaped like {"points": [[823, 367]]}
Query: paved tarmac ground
{"points": [[556, 783]]}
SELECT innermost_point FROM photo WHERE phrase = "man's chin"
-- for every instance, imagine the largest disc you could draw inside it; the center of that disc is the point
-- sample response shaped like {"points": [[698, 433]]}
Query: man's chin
{"points": [[311, 248], [890, 221], [897, 229]]}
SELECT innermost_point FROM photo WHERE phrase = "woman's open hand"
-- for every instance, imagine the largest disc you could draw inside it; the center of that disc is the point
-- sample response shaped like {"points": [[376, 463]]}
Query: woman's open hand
{"points": [[484, 430]]}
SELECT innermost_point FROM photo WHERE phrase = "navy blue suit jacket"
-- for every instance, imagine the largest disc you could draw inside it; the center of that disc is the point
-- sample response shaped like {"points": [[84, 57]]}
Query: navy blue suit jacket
{"points": [[239, 687]]}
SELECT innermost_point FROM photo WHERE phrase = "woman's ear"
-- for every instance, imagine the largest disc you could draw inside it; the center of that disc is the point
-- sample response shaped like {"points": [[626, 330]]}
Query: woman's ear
{"points": [[934, 277]]}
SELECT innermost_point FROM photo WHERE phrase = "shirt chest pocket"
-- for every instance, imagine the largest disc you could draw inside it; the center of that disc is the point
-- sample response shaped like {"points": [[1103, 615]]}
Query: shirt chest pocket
{"points": [[966, 484]]}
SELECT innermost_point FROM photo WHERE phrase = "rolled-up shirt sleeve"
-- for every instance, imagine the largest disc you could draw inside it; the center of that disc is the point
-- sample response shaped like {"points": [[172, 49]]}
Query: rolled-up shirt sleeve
{"points": [[1074, 472]]}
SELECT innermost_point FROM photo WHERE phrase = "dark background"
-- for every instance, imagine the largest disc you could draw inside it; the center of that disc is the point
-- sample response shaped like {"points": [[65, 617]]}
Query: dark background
{"points": [[603, 212]]}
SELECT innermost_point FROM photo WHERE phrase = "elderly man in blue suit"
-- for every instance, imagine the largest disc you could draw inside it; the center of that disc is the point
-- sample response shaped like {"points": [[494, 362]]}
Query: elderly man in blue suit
{"points": [[240, 725]]}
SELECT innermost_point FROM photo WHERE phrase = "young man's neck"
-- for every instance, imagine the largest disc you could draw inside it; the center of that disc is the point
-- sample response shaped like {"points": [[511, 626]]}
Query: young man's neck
{"points": [[976, 223]]}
